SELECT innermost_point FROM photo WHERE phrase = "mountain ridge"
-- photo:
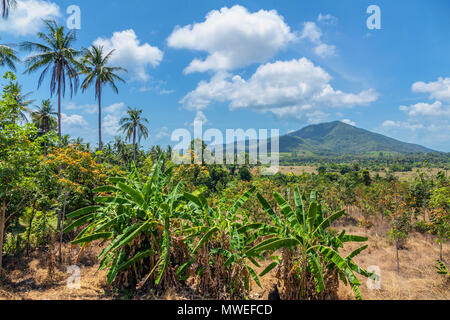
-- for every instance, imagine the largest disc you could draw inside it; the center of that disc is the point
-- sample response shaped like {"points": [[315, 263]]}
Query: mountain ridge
{"points": [[336, 137]]}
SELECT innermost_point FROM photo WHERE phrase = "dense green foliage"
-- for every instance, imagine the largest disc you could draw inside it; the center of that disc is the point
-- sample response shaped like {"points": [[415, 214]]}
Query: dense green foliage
{"points": [[209, 227], [158, 233]]}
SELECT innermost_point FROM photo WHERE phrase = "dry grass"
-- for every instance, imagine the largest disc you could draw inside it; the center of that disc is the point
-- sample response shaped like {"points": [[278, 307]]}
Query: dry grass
{"points": [[298, 170], [29, 278], [39, 278], [411, 174], [417, 280]]}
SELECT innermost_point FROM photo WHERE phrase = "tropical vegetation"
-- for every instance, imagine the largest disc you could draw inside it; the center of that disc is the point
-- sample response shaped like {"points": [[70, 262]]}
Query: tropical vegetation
{"points": [[216, 229]]}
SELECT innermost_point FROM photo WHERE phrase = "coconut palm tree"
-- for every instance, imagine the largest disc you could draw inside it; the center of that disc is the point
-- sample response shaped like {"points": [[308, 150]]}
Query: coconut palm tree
{"points": [[94, 65], [169, 152], [121, 150], [20, 104], [54, 53], [43, 118], [6, 6], [65, 140], [23, 102], [133, 126], [8, 56]]}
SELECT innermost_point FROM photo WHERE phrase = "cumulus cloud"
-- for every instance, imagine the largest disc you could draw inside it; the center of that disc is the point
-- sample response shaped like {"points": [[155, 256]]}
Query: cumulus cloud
{"points": [[113, 114], [439, 89], [72, 121], [199, 117], [26, 18], [400, 124], [87, 108], [324, 50], [427, 109], [292, 88], [162, 133], [426, 123], [233, 38], [156, 86], [434, 114], [316, 117], [350, 122], [433, 134], [327, 18], [115, 108], [131, 54], [313, 33]]}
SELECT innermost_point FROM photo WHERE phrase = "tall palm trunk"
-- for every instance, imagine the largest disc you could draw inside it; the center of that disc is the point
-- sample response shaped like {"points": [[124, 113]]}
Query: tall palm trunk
{"points": [[59, 107], [134, 144], [99, 90], [59, 135], [62, 225]]}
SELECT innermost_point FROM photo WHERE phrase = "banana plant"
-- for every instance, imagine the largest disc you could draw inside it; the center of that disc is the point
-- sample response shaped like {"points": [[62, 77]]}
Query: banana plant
{"points": [[220, 244], [308, 248], [135, 217]]}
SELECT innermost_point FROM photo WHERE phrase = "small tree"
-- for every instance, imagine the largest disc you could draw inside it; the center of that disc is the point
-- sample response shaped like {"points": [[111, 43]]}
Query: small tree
{"points": [[133, 125], [18, 156], [76, 173], [440, 216]]}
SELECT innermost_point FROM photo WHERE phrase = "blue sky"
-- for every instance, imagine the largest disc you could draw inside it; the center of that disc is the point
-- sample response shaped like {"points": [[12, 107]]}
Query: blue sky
{"points": [[259, 64]]}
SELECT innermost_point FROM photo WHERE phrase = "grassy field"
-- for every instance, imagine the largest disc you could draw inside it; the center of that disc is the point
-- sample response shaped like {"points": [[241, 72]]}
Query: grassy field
{"points": [[298, 170]]}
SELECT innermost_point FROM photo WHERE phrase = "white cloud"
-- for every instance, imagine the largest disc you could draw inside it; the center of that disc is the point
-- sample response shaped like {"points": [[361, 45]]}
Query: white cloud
{"points": [[439, 89], [72, 121], [427, 109], [162, 133], [324, 50], [327, 18], [400, 124], [131, 54], [426, 123], [111, 124], [316, 117], [87, 108], [313, 33], [166, 91], [157, 86], [350, 122], [199, 116], [113, 113], [285, 88], [233, 38], [115, 108], [26, 18], [434, 134]]}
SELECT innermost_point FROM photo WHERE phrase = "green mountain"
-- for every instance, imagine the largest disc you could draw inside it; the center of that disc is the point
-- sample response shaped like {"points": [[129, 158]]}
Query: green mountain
{"points": [[336, 138]]}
